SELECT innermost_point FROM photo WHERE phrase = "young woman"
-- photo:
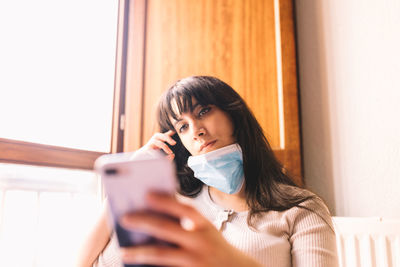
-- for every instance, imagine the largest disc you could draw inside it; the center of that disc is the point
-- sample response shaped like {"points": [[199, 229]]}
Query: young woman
{"points": [[237, 205]]}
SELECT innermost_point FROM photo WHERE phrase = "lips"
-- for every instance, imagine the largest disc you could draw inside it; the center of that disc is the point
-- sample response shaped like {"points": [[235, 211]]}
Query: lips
{"points": [[207, 146]]}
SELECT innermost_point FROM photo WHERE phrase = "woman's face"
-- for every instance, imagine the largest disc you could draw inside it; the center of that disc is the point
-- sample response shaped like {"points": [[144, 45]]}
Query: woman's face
{"points": [[205, 129]]}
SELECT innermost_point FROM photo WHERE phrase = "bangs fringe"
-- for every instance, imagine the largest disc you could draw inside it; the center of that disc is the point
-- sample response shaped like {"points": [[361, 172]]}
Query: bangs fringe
{"points": [[179, 99], [173, 103]]}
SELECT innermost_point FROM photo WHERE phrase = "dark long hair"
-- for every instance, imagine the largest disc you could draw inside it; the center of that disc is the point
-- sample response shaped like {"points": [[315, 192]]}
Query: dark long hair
{"points": [[264, 175]]}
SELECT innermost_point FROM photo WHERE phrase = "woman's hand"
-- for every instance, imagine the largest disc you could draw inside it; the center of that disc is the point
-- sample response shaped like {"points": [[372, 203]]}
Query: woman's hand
{"points": [[159, 140], [198, 242]]}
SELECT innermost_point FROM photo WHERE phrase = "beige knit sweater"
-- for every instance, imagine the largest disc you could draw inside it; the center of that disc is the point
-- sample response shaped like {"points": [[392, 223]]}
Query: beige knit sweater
{"points": [[296, 237]]}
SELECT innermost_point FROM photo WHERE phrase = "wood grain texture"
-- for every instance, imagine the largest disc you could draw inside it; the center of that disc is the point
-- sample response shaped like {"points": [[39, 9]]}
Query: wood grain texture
{"points": [[232, 40], [36, 154], [136, 18], [117, 141], [292, 158]]}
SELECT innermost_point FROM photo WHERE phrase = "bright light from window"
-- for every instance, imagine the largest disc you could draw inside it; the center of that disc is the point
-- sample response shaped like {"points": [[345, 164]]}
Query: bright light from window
{"points": [[45, 214], [57, 63]]}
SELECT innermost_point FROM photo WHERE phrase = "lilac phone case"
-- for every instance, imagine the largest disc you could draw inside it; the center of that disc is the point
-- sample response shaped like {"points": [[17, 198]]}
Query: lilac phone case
{"points": [[127, 178]]}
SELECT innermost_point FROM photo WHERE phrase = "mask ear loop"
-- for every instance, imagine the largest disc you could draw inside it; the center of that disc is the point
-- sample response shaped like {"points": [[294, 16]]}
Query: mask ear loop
{"points": [[209, 193]]}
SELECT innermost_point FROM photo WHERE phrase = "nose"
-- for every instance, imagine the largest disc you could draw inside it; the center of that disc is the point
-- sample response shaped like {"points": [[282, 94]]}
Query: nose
{"points": [[201, 132], [198, 131]]}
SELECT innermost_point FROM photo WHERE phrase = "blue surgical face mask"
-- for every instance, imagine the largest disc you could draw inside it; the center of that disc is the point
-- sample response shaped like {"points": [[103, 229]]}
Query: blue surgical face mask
{"points": [[221, 168]]}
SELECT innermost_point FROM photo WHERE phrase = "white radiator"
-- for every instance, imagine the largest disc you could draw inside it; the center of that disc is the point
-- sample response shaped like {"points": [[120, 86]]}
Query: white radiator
{"points": [[367, 242]]}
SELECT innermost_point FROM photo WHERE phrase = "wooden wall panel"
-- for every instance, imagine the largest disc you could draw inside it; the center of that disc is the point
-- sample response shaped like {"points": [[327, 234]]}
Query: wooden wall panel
{"points": [[232, 40], [136, 20], [248, 44], [291, 127]]}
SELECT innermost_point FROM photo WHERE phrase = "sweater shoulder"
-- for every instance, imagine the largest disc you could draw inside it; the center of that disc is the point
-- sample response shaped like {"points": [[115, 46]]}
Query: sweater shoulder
{"points": [[312, 210]]}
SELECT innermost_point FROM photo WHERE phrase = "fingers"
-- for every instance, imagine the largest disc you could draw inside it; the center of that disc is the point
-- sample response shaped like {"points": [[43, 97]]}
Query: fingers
{"points": [[160, 140], [163, 146], [167, 137], [169, 205], [171, 157], [202, 246], [159, 226], [170, 133], [188, 233], [156, 255]]}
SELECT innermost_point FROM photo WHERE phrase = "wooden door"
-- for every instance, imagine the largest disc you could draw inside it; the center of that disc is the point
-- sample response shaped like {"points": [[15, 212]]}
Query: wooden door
{"points": [[248, 44]]}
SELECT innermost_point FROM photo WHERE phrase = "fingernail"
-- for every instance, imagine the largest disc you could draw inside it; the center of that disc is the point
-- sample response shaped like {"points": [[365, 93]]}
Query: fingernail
{"points": [[187, 224], [125, 221]]}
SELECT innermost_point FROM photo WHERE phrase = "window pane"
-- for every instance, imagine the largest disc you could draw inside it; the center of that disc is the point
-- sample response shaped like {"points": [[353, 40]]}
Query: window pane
{"points": [[57, 62], [46, 213]]}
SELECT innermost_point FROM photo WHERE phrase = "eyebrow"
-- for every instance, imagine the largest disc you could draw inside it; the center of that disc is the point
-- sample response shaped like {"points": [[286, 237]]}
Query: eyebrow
{"points": [[179, 119]]}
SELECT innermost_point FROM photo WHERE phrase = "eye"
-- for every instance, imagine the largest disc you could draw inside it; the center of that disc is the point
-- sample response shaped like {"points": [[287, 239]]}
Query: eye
{"points": [[204, 111], [183, 127]]}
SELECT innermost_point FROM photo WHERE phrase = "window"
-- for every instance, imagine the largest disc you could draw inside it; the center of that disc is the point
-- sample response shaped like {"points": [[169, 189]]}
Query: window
{"points": [[60, 109], [57, 67], [45, 213]]}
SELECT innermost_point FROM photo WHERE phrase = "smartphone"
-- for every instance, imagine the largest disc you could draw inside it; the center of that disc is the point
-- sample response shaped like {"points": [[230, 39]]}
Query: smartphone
{"points": [[127, 178]]}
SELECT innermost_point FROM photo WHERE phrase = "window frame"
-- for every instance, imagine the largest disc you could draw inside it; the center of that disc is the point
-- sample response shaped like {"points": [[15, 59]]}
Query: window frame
{"points": [[22, 152]]}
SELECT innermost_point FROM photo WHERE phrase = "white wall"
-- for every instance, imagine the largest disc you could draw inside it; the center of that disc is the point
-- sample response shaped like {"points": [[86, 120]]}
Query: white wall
{"points": [[349, 78]]}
